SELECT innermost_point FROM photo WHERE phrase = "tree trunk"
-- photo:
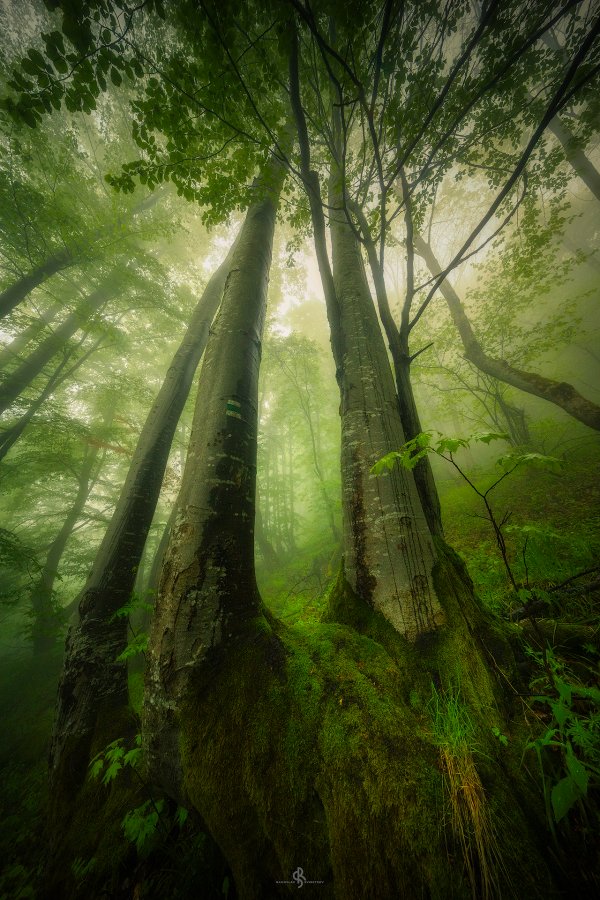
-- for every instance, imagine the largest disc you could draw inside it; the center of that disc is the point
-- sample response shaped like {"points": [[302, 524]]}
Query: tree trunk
{"points": [[46, 621], [208, 598], [92, 698], [576, 157], [388, 549], [20, 379], [16, 293], [151, 587], [516, 420], [336, 714], [269, 554], [560, 393]]}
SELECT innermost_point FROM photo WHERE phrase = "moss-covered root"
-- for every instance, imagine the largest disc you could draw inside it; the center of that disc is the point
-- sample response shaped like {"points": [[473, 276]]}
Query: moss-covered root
{"points": [[328, 761]]}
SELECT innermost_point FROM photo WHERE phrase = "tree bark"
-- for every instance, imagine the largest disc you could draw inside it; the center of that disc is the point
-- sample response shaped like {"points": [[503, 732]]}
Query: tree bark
{"points": [[560, 393], [208, 598], [92, 697], [388, 549]]}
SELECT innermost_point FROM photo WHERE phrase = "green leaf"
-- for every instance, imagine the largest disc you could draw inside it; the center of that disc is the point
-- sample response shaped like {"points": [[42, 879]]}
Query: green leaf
{"points": [[538, 460], [501, 737], [115, 76], [564, 795], [565, 690], [561, 712], [96, 767], [450, 445], [487, 437], [112, 772], [577, 770], [132, 757], [181, 815], [385, 463], [139, 825]]}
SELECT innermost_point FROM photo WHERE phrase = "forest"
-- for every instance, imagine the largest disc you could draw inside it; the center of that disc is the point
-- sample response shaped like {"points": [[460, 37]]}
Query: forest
{"points": [[299, 449]]}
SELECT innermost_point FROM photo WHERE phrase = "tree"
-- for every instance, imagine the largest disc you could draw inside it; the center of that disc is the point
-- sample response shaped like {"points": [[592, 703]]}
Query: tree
{"points": [[93, 694], [561, 393], [403, 603]]}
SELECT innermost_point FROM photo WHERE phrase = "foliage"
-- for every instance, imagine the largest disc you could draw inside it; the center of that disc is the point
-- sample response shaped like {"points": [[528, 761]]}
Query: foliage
{"points": [[114, 758], [417, 448], [573, 730]]}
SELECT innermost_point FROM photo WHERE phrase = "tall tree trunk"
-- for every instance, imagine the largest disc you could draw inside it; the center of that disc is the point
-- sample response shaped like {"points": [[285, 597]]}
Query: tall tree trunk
{"points": [[46, 621], [398, 342], [92, 696], [336, 714], [560, 393], [353, 767], [17, 381], [208, 598], [388, 549], [516, 420], [13, 295], [151, 586]]}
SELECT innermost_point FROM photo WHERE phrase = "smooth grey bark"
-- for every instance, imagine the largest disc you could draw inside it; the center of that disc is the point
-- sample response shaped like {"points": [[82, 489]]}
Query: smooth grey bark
{"points": [[46, 622], [387, 542], [151, 586], [388, 548], [208, 596], [92, 692], [17, 381], [560, 393]]}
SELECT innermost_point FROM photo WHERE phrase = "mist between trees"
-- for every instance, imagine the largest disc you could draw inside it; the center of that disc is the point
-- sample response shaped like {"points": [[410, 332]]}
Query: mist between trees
{"points": [[299, 413]]}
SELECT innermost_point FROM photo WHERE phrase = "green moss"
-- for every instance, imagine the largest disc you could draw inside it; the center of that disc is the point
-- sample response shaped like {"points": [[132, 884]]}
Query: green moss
{"points": [[136, 690], [314, 746], [326, 755]]}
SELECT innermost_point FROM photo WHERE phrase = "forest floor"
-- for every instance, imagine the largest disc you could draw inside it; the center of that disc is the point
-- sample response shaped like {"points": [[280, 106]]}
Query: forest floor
{"points": [[552, 534]]}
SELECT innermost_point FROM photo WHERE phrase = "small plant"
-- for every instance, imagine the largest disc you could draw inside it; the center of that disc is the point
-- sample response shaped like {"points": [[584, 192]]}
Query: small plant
{"points": [[573, 731], [82, 868], [114, 758], [138, 642], [500, 736], [409, 455], [140, 824]]}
